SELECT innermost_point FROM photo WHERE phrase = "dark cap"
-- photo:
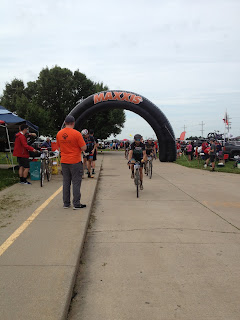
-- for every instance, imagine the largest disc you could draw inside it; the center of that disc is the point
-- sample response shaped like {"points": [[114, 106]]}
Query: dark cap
{"points": [[69, 119]]}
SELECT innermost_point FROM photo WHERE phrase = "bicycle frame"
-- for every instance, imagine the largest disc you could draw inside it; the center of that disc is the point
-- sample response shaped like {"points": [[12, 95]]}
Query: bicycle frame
{"points": [[46, 166], [137, 176]]}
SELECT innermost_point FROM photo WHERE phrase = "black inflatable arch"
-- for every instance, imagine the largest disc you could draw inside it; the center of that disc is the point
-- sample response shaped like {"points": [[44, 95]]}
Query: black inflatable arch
{"points": [[117, 99]]}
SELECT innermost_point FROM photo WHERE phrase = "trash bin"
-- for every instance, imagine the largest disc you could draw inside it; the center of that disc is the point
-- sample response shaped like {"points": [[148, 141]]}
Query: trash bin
{"points": [[35, 170]]}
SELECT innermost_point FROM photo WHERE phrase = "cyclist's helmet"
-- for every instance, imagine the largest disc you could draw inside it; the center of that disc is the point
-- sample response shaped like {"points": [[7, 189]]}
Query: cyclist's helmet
{"points": [[84, 132], [150, 139], [137, 137]]}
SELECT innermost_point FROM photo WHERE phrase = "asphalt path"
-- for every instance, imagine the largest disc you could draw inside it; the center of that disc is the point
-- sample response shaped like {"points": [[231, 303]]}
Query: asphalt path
{"points": [[171, 254], [40, 248]]}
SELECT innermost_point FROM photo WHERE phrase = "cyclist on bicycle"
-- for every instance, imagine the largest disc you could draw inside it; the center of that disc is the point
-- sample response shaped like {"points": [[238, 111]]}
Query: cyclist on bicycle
{"points": [[126, 147], [137, 153], [150, 150]]}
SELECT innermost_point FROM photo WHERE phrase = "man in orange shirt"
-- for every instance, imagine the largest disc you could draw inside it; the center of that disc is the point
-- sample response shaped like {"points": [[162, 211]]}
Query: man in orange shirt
{"points": [[71, 144]]}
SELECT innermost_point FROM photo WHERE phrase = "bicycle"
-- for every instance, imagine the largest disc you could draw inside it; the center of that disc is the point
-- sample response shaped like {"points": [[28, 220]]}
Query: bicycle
{"points": [[126, 153], [137, 176], [148, 167], [46, 166]]}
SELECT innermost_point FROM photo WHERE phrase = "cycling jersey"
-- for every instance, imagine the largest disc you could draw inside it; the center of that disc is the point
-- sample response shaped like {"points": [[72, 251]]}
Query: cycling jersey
{"points": [[137, 150], [90, 144], [127, 144], [149, 148]]}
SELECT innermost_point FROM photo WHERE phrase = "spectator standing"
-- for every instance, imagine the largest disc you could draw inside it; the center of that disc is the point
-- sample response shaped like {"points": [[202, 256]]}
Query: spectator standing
{"points": [[192, 153], [21, 151], [189, 151], [91, 132], [156, 146], [178, 149], [204, 147], [47, 144], [71, 144], [88, 155], [212, 154]]}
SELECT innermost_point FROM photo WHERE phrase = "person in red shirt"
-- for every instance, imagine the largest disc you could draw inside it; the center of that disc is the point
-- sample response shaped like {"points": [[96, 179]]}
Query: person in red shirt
{"points": [[204, 147], [21, 151], [178, 149], [71, 144]]}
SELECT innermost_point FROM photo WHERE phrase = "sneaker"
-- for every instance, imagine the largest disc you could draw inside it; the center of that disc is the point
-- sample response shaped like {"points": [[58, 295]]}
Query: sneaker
{"points": [[79, 207], [89, 176], [66, 206], [205, 166], [93, 172], [132, 175], [141, 186], [26, 182]]}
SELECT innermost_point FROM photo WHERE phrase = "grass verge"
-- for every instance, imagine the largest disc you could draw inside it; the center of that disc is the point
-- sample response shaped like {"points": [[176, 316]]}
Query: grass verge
{"points": [[8, 178], [5, 158], [195, 164]]}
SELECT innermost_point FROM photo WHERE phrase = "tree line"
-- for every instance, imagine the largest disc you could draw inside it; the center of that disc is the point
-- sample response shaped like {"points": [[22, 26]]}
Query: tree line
{"points": [[46, 101]]}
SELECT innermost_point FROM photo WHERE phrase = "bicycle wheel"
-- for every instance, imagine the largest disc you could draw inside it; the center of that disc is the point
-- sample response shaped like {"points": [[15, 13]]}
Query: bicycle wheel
{"points": [[150, 169], [146, 168], [137, 181], [49, 170], [42, 173]]}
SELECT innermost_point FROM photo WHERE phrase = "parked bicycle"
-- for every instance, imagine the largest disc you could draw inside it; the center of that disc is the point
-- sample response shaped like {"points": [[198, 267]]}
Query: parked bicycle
{"points": [[46, 166]]}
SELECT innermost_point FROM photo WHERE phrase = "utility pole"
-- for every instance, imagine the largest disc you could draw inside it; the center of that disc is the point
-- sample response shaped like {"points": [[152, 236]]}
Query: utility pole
{"points": [[202, 124], [184, 128], [229, 126]]}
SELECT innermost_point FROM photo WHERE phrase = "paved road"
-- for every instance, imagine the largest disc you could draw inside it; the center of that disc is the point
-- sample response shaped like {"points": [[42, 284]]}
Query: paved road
{"points": [[171, 254], [37, 271]]}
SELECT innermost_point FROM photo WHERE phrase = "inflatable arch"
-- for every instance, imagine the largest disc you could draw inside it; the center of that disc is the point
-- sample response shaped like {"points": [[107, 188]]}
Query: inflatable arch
{"points": [[117, 99]]}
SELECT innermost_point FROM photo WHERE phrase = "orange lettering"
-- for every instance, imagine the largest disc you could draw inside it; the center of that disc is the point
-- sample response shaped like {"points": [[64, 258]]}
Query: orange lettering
{"points": [[137, 99], [117, 95], [98, 97], [108, 96], [129, 97], [132, 97], [126, 96]]}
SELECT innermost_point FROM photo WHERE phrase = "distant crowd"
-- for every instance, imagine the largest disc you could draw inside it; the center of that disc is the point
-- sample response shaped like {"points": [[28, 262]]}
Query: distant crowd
{"points": [[208, 151]]}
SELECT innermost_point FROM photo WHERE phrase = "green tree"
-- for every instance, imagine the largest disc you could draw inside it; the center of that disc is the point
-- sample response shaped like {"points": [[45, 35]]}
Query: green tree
{"points": [[106, 123], [12, 91], [46, 101]]}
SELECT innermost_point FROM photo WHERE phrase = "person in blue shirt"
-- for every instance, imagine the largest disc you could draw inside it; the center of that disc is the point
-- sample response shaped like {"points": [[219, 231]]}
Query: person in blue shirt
{"points": [[47, 144]]}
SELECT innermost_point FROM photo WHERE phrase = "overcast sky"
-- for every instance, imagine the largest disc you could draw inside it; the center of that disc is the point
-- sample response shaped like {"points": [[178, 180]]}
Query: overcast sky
{"points": [[184, 56]]}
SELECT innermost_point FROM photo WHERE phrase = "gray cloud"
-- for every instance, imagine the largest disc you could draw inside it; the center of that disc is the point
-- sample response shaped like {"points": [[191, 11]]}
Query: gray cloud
{"points": [[183, 55]]}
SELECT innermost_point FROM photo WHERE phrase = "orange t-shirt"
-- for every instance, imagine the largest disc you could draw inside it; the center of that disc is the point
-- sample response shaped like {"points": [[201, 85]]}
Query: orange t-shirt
{"points": [[70, 142]]}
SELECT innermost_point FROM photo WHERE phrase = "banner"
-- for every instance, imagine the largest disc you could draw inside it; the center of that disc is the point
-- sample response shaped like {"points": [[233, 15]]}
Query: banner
{"points": [[182, 136]]}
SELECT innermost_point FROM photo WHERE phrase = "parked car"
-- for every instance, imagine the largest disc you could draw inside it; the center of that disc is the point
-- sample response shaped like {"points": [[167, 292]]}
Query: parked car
{"points": [[231, 149]]}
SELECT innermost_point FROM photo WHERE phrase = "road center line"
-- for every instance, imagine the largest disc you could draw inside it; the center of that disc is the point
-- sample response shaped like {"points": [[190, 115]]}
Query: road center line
{"points": [[26, 223]]}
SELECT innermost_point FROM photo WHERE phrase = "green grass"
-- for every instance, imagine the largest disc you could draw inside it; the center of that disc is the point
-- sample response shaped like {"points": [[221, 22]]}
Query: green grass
{"points": [[4, 160], [8, 178], [199, 165]]}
